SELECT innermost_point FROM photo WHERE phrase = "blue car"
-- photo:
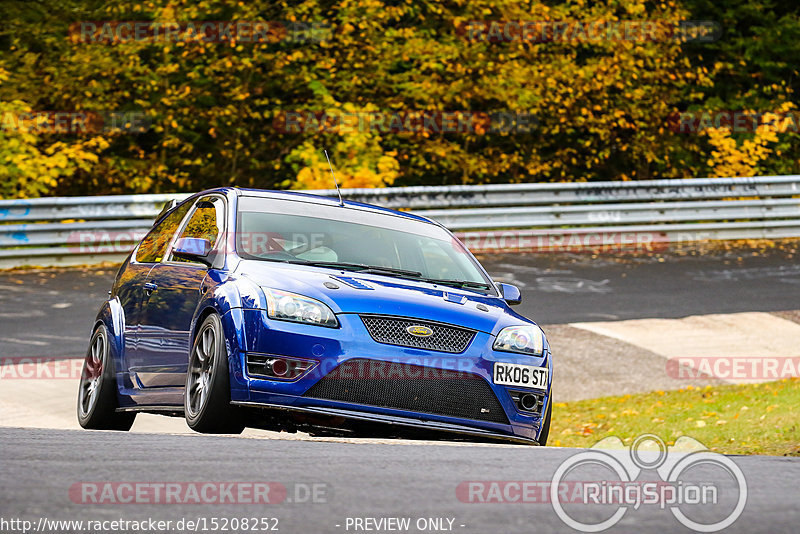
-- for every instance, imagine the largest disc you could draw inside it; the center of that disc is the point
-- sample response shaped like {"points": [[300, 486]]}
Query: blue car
{"points": [[289, 311]]}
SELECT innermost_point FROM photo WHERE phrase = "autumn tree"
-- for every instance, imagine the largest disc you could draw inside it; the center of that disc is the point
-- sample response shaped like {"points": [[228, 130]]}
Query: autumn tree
{"points": [[578, 108]]}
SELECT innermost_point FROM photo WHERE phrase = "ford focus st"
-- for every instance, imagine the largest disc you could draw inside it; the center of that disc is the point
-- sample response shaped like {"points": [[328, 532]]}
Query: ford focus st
{"points": [[287, 311]]}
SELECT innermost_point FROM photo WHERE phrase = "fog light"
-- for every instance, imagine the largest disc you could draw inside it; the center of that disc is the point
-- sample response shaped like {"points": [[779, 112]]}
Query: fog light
{"points": [[527, 401], [277, 367]]}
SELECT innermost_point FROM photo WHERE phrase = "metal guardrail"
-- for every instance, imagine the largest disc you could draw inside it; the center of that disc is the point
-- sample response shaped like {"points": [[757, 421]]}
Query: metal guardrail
{"points": [[490, 218], [448, 196]]}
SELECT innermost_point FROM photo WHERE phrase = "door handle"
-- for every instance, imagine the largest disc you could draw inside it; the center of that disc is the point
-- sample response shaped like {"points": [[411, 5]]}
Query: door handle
{"points": [[149, 287]]}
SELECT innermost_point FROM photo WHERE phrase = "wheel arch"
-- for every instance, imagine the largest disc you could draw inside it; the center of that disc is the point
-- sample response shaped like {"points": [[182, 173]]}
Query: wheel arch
{"points": [[233, 331], [112, 316], [224, 300], [201, 316]]}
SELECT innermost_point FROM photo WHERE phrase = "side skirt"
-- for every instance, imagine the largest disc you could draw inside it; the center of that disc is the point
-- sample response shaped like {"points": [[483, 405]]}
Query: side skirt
{"points": [[172, 411]]}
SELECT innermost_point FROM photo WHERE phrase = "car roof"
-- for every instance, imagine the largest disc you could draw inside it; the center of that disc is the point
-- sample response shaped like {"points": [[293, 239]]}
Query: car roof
{"points": [[299, 196]]}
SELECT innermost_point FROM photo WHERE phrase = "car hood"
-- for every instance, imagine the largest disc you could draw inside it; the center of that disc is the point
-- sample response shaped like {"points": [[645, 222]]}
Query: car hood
{"points": [[351, 292]]}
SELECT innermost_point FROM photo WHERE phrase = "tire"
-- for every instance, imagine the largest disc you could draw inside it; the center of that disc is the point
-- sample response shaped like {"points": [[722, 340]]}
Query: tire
{"points": [[207, 397], [97, 392], [545, 433]]}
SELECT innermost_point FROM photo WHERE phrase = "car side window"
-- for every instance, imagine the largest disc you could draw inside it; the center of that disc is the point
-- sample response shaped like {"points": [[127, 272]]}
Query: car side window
{"points": [[205, 222], [154, 244]]}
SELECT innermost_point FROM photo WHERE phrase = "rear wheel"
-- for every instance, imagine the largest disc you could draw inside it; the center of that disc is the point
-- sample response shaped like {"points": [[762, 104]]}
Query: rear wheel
{"points": [[207, 398], [543, 435], [97, 393]]}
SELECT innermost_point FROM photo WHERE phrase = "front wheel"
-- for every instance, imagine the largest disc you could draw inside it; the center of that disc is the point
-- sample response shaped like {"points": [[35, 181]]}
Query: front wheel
{"points": [[97, 393], [207, 398]]}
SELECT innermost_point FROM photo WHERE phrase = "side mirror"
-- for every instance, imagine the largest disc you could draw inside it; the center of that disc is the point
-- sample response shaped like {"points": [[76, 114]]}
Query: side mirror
{"points": [[192, 249], [510, 293]]}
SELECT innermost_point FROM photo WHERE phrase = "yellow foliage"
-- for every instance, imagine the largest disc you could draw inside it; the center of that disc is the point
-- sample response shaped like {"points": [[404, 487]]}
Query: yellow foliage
{"points": [[31, 166], [358, 158], [741, 159]]}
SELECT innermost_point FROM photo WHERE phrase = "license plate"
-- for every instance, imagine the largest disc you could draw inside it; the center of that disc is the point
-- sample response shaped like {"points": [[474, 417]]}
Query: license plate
{"points": [[525, 376]]}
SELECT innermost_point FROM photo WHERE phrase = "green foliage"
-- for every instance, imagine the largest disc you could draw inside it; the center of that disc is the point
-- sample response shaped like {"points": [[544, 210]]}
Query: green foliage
{"points": [[602, 107], [730, 419], [753, 67]]}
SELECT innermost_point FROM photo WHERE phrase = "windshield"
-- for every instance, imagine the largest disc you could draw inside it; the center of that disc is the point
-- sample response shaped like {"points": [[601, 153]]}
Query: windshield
{"points": [[353, 239]]}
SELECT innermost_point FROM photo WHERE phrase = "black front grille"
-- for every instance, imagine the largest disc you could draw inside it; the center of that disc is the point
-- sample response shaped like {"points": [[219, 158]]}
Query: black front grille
{"points": [[410, 387], [394, 331]]}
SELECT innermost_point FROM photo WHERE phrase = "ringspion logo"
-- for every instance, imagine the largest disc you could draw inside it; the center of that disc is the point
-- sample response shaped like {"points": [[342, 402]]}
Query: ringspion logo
{"points": [[699, 480]]}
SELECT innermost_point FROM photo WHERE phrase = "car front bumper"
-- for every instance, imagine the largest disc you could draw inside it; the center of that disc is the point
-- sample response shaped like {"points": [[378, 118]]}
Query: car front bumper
{"points": [[330, 348]]}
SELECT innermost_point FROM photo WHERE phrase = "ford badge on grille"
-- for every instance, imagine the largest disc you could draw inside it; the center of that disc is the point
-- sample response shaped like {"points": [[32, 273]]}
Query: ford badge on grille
{"points": [[419, 330]]}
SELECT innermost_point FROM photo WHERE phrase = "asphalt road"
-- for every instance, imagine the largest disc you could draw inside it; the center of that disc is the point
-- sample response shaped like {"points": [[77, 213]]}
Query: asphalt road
{"points": [[353, 480], [50, 313], [562, 289]]}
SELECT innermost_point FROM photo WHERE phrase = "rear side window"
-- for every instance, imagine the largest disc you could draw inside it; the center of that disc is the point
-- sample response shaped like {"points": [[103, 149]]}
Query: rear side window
{"points": [[154, 244]]}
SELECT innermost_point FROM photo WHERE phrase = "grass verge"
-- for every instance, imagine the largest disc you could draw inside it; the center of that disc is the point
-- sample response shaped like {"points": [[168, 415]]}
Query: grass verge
{"points": [[737, 419]]}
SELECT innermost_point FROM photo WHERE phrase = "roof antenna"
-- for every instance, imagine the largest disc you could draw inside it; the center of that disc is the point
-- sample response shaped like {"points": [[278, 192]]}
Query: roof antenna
{"points": [[341, 202]]}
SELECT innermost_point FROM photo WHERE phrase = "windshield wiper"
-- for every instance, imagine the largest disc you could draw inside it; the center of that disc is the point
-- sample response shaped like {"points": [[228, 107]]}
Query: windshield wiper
{"points": [[391, 271], [457, 283], [361, 268]]}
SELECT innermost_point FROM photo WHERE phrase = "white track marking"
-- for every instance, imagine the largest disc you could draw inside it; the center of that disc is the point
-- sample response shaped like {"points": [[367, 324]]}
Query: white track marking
{"points": [[733, 335], [24, 341]]}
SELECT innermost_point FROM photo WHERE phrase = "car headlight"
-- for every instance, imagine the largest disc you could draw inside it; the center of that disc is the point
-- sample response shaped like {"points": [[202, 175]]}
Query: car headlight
{"points": [[528, 339], [286, 306]]}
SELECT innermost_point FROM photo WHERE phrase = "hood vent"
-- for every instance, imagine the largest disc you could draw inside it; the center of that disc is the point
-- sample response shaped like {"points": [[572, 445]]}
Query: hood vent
{"points": [[352, 282]]}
